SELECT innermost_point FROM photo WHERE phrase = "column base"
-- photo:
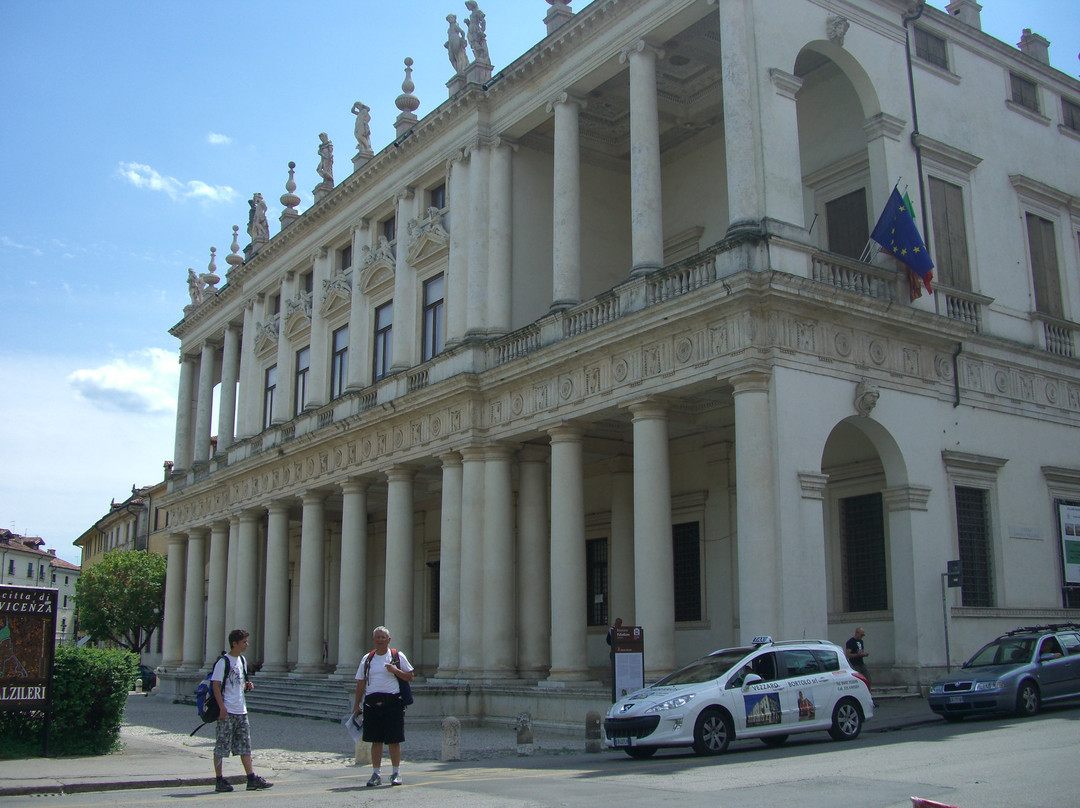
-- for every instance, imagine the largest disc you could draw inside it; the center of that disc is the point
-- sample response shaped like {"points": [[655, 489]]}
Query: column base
{"points": [[447, 673], [311, 669], [346, 669], [637, 270], [566, 675], [273, 668], [562, 305]]}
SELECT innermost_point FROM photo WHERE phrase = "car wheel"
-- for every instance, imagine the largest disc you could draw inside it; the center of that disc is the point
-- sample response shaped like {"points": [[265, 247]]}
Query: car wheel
{"points": [[1027, 700], [712, 732], [952, 718], [846, 721], [640, 752], [774, 740]]}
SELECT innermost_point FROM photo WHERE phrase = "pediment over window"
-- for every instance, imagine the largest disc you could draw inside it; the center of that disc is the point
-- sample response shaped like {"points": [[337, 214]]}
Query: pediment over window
{"points": [[337, 292], [297, 314], [429, 240], [266, 334], [377, 274]]}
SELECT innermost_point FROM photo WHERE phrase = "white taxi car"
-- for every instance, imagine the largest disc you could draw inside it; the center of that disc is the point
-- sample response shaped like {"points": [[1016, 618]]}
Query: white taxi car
{"points": [[768, 691]]}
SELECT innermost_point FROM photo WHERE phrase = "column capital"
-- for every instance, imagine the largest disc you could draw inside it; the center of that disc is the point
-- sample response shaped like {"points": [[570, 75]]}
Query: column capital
{"points": [[472, 452], [450, 459], [752, 380], [566, 432], [402, 473], [640, 46], [813, 484], [198, 532], [907, 498], [786, 84], [500, 450], [649, 407], [355, 484], [566, 97], [313, 497], [178, 538], [278, 506]]}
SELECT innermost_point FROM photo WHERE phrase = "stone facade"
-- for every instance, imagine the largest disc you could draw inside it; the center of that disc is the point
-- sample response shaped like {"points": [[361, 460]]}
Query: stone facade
{"points": [[593, 340]]}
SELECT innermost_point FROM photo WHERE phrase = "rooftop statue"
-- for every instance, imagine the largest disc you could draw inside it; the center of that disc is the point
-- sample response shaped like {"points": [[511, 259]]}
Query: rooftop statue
{"points": [[195, 287], [257, 227], [477, 25], [362, 129], [455, 45], [326, 159]]}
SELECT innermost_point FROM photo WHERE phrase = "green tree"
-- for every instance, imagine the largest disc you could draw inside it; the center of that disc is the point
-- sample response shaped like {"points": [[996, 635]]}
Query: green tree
{"points": [[122, 598]]}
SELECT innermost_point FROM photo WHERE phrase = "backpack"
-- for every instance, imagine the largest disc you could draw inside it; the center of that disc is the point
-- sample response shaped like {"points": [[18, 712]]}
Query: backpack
{"points": [[205, 703], [404, 687]]}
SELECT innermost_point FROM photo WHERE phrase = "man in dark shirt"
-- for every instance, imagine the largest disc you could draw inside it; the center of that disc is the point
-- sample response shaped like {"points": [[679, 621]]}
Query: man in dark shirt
{"points": [[856, 652]]}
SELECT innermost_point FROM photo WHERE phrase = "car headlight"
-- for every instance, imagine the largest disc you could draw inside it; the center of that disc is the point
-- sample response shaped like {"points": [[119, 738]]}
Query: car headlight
{"points": [[937, 688], [671, 704], [995, 685]]}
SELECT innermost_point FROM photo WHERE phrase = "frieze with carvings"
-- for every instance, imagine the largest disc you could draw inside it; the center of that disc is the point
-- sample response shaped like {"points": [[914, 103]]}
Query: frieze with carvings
{"points": [[337, 292], [298, 314], [266, 334], [428, 239]]}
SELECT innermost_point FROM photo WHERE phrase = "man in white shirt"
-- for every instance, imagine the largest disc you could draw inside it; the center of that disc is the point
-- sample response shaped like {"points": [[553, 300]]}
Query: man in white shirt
{"points": [[378, 689], [233, 733]]}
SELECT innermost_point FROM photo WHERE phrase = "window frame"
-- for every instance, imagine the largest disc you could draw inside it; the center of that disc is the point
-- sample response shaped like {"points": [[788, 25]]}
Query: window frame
{"points": [[433, 319], [301, 371], [1023, 83], [597, 581], [339, 362], [925, 54], [269, 391], [973, 471], [382, 343]]}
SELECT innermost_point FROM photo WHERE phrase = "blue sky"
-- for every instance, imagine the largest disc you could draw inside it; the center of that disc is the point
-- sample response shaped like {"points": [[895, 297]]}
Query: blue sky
{"points": [[133, 135]]}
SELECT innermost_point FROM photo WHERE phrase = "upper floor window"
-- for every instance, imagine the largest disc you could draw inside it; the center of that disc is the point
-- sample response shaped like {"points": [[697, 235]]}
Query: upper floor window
{"points": [[437, 196], [931, 48], [307, 282], [950, 235], [65, 580], [339, 362], [269, 388], [303, 365], [344, 258], [384, 332], [54, 577], [30, 570], [389, 229], [11, 567], [275, 304], [434, 315], [1044, 266], [1024, 92], [1070, 115], [848, 230]]}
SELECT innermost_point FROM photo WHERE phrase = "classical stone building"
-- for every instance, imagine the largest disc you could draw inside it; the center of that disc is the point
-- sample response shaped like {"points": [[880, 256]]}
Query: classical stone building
{"points": [[593, 339]]}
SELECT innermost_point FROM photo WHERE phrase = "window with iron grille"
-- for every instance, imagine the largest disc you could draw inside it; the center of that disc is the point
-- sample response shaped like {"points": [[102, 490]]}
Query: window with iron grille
{"points": [[863, 560], [596, 575], [686, 554], [1024, 92], [433, 596], [931, 48], [973, 534]]}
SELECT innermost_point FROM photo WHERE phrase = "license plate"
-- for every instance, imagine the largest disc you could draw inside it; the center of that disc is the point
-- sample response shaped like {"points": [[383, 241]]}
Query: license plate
{"points": [[956, 699], [622, 741]]}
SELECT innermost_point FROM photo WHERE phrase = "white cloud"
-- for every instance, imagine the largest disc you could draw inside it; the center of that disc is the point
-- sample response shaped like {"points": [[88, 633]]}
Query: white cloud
{"points": [[218, 140], [7, 242], [142, 382], [143, 176]]}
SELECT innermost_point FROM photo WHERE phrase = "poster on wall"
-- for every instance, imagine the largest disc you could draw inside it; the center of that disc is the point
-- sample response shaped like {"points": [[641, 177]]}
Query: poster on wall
{"points": [[27, 640], [1069, 519]]}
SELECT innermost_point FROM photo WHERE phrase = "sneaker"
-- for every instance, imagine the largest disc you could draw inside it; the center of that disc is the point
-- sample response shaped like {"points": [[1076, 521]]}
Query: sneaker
{"points": [[395, 780], [222, 785], [374, 780], [256, 783]]}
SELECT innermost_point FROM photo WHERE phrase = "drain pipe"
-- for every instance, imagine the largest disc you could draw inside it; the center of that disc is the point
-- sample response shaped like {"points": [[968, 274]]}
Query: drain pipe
{"points": [[956, 375]]}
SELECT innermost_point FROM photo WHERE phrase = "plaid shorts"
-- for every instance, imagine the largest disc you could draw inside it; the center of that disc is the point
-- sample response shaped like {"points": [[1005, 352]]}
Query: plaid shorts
{"points": [[233, 735]]}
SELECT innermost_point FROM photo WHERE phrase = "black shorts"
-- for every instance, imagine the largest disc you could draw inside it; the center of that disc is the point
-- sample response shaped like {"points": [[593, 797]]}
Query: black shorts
{"points": [[384, 718]]}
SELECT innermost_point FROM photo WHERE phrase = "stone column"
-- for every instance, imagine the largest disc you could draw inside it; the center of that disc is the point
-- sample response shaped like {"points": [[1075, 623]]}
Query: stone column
{"points": [[499, 650], [398, 601], [533, 565], [217, 576], [172, 640], [476, 318], [569, 653], [646, 219], [621, 567], [500, 238], [654, 577], [230, 376], [759, 584], [247, 572], [450, 567], [204, 411], [470, 657], [805, 605], [352, 618], [458, 268], [318, 390], [566, 247], [276, 610], [359, 337], [230, 572], [906, 508], [194, 603], [741, 136], [312, 557], [182, 454], [333, 595], [404, 353], [249, 396]]}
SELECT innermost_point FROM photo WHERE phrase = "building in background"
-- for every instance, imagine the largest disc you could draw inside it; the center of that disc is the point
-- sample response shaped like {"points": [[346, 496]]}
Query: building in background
{"points": [[24, 561], [600, 336]]}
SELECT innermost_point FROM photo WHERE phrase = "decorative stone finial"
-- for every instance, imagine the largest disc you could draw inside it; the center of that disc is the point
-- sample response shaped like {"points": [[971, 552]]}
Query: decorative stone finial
{"points": [[210, 277], [234, 259], [325, 168], [407, 102], [558, 15], [289, 199], [362, 132]]}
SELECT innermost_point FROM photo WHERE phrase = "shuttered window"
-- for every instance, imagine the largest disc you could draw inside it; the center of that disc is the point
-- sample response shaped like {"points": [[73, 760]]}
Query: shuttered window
{"points": [[1044, 266], [847, 226], [950, 235]]}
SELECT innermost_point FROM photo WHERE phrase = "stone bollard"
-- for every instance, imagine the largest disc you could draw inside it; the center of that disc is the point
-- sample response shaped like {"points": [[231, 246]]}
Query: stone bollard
{"points": [[592, 732], [451, 739], [524, 734], [363, 753], [138, 686]]}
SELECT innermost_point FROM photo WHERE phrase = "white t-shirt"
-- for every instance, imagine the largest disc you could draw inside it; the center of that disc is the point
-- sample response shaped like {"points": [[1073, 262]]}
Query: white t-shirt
{"points": [[380, 680], [232, 690]]}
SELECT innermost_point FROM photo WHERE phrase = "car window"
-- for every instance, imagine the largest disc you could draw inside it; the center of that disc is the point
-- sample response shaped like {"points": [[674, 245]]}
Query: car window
{"points": [[800, 662], [1071, 642], [1004, 651], [763, 665], [1051, 648], [828, 660], [705, 669]]}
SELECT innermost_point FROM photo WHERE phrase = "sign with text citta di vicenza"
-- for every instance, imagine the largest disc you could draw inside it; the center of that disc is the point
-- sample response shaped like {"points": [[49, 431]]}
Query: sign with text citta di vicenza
{"points": [[27, 641]]}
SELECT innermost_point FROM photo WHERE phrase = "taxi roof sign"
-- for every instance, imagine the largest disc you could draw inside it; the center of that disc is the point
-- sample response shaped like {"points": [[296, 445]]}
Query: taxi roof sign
{"points": [[763, 639]]}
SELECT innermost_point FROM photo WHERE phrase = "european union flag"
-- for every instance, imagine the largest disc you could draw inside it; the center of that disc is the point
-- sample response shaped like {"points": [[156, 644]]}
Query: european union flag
{"points": [[897, 234]]}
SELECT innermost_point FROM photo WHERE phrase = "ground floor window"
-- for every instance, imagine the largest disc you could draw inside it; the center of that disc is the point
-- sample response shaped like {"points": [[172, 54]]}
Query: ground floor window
{"points": [[863, 571], [433, 596], [686, 552], [596, 575], [973, 533]]}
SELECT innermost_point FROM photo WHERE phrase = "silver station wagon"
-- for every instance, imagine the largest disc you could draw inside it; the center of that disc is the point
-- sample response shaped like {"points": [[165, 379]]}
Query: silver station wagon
{"points": [[769, 690], [1016, 673]]}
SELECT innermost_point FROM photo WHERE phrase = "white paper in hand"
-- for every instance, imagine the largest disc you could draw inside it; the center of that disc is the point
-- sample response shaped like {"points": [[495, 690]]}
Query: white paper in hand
{"points": [[355, 725]]}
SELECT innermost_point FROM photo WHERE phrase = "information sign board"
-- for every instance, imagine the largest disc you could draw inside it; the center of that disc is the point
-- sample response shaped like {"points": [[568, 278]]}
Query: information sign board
{"points": [[27, 641]]}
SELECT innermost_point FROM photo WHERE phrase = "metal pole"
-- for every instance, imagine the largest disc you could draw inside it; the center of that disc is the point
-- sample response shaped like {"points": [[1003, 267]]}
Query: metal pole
{"points": [[945, 617]]}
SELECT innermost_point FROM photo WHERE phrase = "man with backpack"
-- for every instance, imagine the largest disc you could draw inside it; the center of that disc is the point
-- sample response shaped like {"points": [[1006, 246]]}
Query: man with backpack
{"points": [[379, 682], [229, 681]]}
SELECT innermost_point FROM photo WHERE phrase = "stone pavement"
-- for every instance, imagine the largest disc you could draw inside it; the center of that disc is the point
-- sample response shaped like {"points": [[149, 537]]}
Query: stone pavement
{"points": [[158, 752]]}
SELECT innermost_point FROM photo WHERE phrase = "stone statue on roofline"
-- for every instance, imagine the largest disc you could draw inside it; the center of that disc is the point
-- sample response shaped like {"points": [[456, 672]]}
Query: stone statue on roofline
{"points": [[455, 45], [195, 287], [326, 167], [257, 227], [477, 25], [362, 129]]}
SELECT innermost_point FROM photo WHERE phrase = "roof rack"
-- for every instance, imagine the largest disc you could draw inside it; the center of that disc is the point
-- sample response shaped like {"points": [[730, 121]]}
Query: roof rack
{"points": [[1038, 629]]}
